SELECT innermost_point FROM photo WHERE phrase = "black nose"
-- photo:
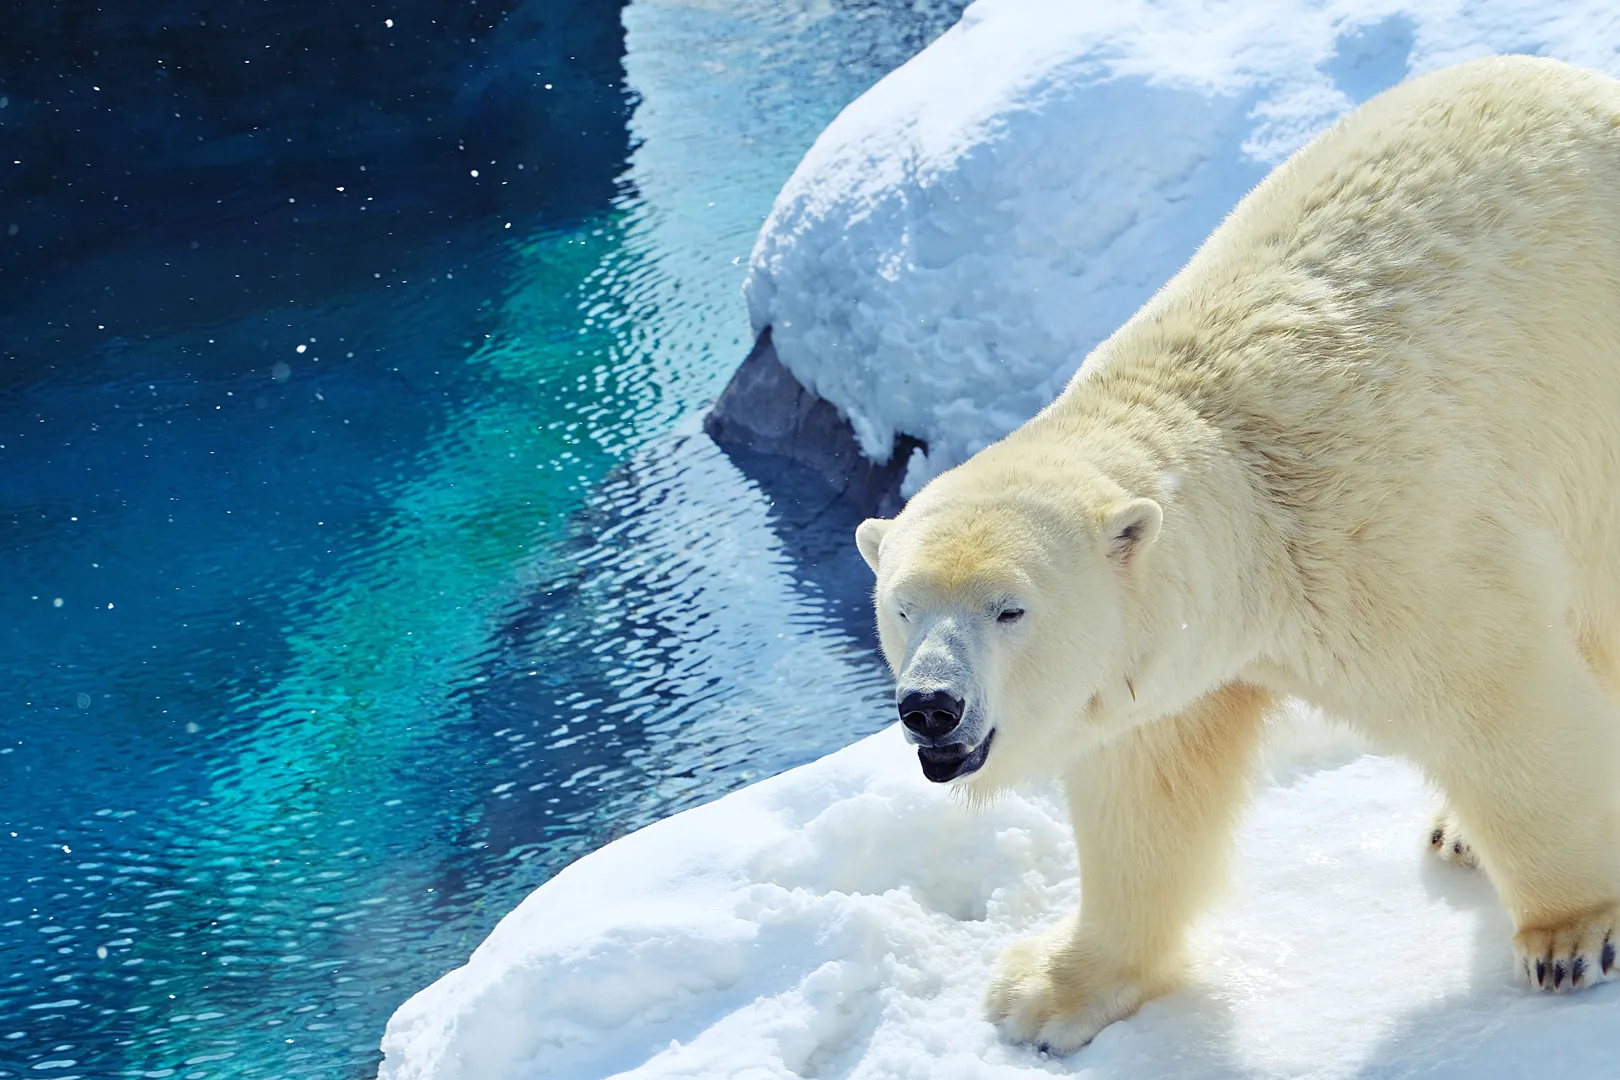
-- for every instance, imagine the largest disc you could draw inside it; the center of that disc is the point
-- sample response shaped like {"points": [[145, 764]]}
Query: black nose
{"points": [[931, 713]]}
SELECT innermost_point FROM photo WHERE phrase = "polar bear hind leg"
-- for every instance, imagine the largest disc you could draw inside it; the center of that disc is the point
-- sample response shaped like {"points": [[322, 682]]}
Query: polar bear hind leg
{"points": [[1529, 762], [1447, 841]]}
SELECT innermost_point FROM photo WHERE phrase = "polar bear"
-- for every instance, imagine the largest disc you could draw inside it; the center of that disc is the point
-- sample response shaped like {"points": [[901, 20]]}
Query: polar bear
{"points": [[1363, 449]]}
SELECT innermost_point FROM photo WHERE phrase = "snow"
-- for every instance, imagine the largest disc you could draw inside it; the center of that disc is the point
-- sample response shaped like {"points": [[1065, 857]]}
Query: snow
{"points": [[963, 234], [841, 919]]}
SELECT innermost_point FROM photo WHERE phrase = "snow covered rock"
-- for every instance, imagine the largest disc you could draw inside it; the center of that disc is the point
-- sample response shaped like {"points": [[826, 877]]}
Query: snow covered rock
{"points": [[964, 233]]}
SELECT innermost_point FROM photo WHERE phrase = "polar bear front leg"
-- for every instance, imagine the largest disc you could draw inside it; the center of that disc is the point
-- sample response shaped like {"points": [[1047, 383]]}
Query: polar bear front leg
{"points": [[1059, 989], [1153, 816]]}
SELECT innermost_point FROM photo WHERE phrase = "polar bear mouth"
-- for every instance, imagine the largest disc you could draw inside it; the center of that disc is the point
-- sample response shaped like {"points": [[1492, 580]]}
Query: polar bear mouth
{"points": [[943, 763]]}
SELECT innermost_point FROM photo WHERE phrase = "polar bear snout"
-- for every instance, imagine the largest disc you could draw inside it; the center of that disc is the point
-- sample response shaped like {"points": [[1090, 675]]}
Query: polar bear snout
{"points": [[940, 697], [931, 714], [946, 747]]}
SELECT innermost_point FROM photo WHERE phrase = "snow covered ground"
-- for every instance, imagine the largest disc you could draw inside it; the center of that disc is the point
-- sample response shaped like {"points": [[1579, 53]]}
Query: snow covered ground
{"points": [[841, 920], [963, 234]]}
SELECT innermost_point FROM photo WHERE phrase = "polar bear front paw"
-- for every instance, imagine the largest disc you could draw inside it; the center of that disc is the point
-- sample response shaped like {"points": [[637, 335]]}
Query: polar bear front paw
{"points": [[1447, 841], [1572, 956], [1049, 992]]}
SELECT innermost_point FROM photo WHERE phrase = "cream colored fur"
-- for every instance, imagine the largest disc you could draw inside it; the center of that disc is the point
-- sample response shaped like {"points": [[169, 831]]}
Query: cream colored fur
{"points": [[1379, 414]]}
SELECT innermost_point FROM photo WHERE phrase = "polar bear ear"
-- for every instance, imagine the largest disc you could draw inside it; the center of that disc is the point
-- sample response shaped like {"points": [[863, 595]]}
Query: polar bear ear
{"points": [[1130, 528], [869, 536]]}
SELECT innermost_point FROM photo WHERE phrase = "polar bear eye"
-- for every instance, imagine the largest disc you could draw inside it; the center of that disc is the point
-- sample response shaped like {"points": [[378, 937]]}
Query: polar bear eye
{"points": [[1010, 615], [902, 614]]}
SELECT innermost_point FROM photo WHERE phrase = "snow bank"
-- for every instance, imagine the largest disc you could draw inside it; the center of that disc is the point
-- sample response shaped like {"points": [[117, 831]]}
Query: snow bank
{"points": [[841, 920], [963, 234]]}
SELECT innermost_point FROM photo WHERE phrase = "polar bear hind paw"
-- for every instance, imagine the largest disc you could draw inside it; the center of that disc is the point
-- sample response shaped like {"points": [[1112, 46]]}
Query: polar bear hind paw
{"points": [[1572, 956], [1446, 840]]}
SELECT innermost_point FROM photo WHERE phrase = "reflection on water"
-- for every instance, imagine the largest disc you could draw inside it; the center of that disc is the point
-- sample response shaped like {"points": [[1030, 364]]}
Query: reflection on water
{"points": [[333, 627]]}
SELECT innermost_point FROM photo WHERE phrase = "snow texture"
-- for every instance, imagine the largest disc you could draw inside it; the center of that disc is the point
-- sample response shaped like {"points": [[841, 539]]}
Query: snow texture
{"points": [[958, 240], [841, 920]]}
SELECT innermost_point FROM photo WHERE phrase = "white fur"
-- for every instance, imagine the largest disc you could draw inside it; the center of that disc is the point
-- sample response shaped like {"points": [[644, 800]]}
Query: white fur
{"points": [[1366, 446]]}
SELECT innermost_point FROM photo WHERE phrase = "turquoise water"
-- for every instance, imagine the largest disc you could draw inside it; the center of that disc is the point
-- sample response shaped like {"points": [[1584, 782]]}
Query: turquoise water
{"points": [[351, 595]]}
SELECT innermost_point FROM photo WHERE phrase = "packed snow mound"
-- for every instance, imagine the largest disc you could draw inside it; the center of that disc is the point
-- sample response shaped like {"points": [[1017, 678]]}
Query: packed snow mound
{"points": [[964, 233], [841, 920]]}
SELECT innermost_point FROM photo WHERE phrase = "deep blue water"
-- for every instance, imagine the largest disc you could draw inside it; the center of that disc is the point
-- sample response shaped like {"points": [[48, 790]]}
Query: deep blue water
{"points": [[364, 562]]}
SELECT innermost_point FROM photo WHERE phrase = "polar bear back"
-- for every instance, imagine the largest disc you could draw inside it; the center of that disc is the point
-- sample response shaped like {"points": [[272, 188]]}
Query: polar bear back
{"points": [[1410, 333]]}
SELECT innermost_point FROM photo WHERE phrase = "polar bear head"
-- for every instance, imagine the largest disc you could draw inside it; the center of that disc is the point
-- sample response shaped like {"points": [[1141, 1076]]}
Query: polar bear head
{"points": [[1007, 616]]}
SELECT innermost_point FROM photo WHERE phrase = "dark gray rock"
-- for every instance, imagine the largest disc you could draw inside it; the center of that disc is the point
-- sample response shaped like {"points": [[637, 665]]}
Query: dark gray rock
{"points": [[795, 445]]}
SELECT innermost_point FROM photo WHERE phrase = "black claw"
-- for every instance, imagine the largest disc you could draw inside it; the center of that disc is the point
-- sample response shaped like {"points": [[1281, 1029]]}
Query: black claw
{"points": [[1608, 957], [1577, 970], [1559, 971], [1541, 973], [1436, 837]]}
